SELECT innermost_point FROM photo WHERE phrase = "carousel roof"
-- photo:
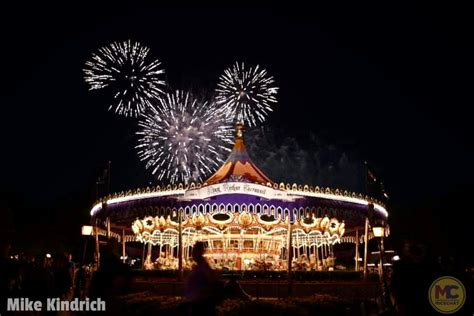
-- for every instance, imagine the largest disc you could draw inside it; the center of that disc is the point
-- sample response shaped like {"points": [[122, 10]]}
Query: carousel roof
{"points": [[239, 165]]}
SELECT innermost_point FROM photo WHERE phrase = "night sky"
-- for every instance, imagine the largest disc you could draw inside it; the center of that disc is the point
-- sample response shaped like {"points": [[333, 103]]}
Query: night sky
{"points": [[389, 84]]}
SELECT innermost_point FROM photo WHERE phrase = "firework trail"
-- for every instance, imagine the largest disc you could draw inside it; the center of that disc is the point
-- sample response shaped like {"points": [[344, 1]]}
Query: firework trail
{"points": [[246, 94], [183, 139], [125, 69]]}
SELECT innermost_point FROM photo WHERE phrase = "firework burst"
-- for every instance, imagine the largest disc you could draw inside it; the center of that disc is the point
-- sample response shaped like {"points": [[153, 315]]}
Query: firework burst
{"points": [[246, 94], [131, 76], [183, 139]]}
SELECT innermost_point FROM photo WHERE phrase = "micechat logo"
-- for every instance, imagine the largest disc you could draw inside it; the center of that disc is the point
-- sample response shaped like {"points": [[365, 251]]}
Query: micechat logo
{"points": [[447, 295]]}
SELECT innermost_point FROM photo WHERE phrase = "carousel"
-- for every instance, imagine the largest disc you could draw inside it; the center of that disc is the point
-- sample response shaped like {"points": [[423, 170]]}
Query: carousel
{"points": [[246, 220]]}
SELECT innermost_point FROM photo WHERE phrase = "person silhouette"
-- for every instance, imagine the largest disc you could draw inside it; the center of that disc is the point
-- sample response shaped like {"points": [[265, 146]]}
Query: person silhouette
{"points": [[410, 281], [203, 287], [112, 280]]}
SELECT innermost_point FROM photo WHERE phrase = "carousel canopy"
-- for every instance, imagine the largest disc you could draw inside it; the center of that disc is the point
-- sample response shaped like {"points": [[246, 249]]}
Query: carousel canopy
{"points": [[239, 166]]}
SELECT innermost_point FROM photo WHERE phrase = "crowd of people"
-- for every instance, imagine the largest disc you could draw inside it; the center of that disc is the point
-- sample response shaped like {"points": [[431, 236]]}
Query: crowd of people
{"points": [[41, 276], [56, 275]]}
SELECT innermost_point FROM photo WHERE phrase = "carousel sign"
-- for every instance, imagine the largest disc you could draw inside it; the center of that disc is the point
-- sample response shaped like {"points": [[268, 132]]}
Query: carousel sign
{"points": [[236, 188]]}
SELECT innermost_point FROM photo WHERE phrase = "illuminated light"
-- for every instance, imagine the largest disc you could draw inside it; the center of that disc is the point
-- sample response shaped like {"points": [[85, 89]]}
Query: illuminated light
{"points": [[396, 258], [381, 209], [96, 207], [87, 230], [48, 256], [377, 207], [141, 196], [329, 196], [379, 231]]}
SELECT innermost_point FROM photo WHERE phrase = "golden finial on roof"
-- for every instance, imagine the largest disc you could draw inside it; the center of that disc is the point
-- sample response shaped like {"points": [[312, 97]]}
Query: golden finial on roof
{"points": [[239, 128]]}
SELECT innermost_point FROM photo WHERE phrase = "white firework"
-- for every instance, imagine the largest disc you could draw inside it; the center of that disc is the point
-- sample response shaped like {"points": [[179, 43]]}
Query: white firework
{"points": [[183, 139], [246, 94], [126, 70]]}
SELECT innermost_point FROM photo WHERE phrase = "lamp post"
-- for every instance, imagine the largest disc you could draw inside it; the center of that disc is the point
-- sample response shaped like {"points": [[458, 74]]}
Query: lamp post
{"points": [[380, 231], [86, 230]]}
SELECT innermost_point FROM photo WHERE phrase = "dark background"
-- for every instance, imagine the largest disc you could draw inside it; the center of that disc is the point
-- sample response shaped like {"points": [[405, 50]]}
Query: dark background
{"points": [[389, 83]]}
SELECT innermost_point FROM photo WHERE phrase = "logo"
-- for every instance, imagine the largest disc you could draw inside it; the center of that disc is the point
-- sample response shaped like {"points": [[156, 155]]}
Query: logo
{"points": [[24, 304], [447, 295]]}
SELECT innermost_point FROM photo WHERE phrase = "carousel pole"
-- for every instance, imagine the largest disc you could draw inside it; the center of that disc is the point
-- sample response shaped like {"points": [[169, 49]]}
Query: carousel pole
{"points": [[143, 256], [316, 250], [123, 245], [148, 254], [108, 227], [356, 267], [366, 241], [297, 254], [97, 244], [290, 257], [108, 192], [180, 245], [186, 248]]}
